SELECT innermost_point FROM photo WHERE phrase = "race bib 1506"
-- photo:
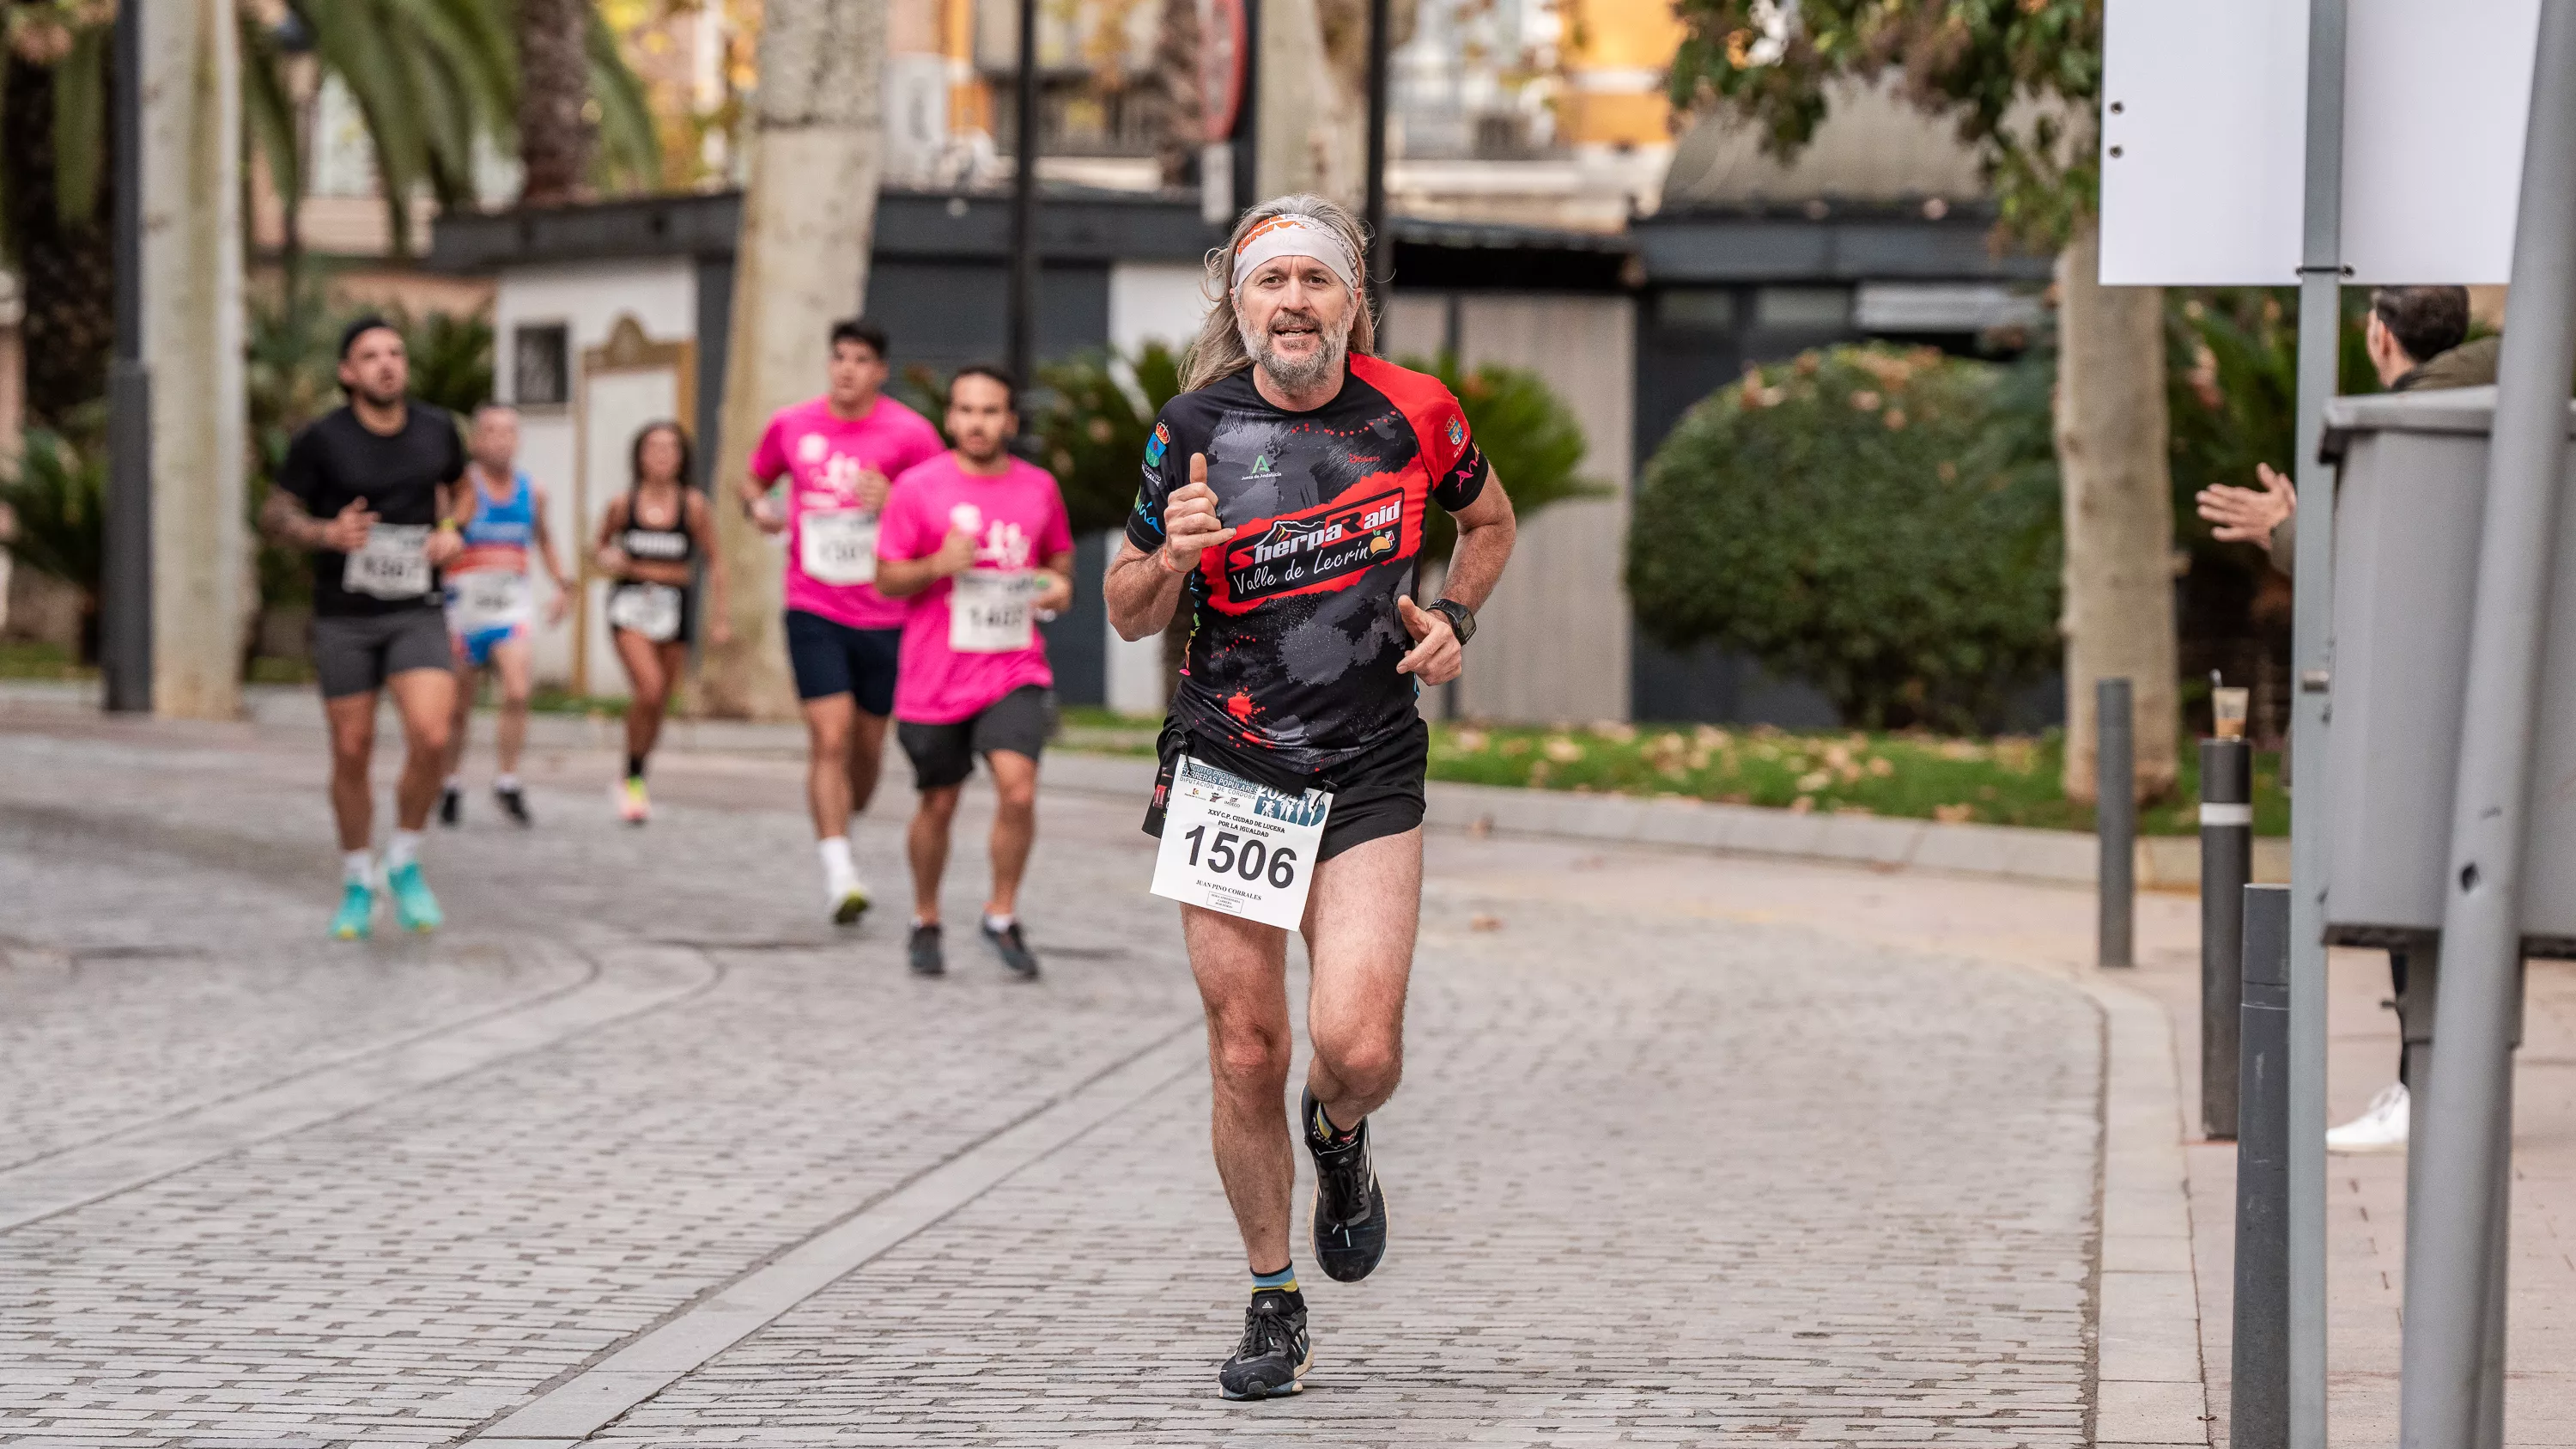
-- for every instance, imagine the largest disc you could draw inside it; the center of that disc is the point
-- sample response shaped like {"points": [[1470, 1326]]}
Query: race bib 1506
{"points": [[988, 613], [1235, 846], [838, 546], [393, 564]]}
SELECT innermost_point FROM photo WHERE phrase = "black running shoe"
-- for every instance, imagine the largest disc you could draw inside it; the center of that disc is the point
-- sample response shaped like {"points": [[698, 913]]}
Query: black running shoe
{"points": [[451, 805], [1008, 944], [1350, 1207], [1272, 1359], [514, 803], [927, 958]]}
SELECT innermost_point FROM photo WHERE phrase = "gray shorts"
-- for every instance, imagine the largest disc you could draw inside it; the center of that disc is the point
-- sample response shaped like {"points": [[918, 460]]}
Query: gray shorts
{"points": [[356, 653], [944, 754]]}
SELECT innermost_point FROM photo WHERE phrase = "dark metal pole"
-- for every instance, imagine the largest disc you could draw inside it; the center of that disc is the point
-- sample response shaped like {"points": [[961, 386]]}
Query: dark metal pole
{"points": [[2462, 1130], [125, 573], [2258, 1413], [1247, 115], [2115, 817], [2226, 864], [1024, 205], [1381, 257]]}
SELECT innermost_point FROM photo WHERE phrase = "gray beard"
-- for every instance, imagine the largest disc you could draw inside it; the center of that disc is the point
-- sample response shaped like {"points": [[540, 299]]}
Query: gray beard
{"points": [[1299, 376]]}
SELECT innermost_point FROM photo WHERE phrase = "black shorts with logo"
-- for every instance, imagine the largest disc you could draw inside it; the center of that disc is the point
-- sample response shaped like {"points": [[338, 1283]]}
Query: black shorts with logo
{"points": [[944, 754], [1375, 794]]}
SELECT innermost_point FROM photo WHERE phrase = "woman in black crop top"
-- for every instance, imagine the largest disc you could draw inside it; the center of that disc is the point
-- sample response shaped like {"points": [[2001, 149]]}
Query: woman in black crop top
{"points": [[650, 541]]}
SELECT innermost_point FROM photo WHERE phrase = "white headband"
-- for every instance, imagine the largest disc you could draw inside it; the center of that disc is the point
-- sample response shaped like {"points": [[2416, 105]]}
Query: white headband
{"points": [[1293, 235]]}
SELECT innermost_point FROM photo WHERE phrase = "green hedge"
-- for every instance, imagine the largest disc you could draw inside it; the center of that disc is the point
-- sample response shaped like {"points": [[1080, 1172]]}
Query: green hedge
{"points": [[1879, 523]]}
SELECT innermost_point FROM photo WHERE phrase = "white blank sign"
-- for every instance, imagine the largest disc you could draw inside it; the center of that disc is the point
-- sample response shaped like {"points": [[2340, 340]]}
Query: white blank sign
{"points": [[2204, 137]]}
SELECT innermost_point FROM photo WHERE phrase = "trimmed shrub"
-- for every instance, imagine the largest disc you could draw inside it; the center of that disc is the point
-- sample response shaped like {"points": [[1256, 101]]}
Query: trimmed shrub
{"points": [[1880, 523]]}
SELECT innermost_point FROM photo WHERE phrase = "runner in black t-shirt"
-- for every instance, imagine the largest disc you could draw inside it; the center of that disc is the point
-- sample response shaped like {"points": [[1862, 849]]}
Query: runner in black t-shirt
{"points": [[367, 489], [1285, 497]]}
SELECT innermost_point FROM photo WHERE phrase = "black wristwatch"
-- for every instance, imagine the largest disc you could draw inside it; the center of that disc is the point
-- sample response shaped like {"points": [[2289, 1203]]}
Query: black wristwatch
{"points": [[1462, 620]]}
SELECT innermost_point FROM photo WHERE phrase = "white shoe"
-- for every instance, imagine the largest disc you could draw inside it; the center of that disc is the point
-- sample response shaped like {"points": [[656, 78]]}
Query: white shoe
{"points": [[2380, 1128], [848, 897]]}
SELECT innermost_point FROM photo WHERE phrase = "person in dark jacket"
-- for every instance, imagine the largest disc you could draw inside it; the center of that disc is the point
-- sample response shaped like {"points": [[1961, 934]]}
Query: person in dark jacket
{"points": [[2415, 339]]}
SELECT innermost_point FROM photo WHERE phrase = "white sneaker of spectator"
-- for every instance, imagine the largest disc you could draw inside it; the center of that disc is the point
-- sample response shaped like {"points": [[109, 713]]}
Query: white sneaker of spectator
{"points": [[2380, 1128]]}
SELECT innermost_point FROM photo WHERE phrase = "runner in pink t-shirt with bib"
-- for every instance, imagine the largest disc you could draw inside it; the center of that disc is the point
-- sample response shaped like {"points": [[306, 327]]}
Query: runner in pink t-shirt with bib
{"points": [[837, 454], [977, 543]]}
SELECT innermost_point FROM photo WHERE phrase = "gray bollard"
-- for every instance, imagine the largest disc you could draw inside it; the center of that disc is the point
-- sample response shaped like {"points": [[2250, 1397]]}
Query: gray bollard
{"points": [[2258, 1414], [2226, 864], [2115, 817]]}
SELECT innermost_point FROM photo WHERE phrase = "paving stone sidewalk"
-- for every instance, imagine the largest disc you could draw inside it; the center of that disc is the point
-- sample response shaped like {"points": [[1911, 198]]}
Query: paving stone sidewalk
{"points": [[1663, 1171]]}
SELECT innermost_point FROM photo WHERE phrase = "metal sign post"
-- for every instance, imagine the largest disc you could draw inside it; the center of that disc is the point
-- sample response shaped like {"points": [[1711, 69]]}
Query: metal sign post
{"points": [[2462, 1140], [2312, 660]]}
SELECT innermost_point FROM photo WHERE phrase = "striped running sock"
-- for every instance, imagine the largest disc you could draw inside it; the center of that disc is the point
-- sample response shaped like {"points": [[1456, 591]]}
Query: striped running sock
{"points": [[1285, 1280]]}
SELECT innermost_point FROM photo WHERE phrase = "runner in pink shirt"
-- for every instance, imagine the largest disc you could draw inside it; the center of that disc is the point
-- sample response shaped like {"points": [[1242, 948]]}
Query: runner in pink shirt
{"points": [[836, 454], [978, 544]]}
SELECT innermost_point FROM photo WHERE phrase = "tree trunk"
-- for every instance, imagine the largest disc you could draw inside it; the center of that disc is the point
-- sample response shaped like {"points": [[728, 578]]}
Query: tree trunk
{"points": [[66, 270], [192, 334], [1170, 93], [2111, 453], [554, 84], [801, 263]]}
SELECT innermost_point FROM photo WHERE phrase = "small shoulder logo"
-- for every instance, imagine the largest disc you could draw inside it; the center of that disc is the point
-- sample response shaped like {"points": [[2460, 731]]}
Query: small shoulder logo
{"points": [[1457, 433], [1155, 445]]}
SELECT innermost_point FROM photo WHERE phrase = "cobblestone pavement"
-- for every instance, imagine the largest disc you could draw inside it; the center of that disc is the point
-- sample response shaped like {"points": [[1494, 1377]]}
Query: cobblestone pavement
{"points": [[1660, 1173]]}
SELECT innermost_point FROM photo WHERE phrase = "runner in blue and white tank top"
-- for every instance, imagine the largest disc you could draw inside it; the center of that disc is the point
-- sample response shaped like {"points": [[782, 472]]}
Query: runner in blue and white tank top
{"points": [[491, 601]]}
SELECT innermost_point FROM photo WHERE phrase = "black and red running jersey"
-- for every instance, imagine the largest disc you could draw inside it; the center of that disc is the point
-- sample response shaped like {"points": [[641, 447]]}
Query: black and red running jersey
{"points": [[1295, 636]]}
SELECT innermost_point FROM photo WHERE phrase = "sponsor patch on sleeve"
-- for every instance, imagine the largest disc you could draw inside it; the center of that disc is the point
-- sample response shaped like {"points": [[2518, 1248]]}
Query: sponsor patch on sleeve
{"points": [[1155, 445]]}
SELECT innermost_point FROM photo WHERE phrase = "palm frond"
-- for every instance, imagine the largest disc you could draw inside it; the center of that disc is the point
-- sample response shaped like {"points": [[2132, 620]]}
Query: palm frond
{"points": [[57, 499], [268, 108], [630, 150]]}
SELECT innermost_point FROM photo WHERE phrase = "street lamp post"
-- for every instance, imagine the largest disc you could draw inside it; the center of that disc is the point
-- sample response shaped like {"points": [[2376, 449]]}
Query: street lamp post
{"points": [[1381, 256], [125, 570], [1024, 205]]}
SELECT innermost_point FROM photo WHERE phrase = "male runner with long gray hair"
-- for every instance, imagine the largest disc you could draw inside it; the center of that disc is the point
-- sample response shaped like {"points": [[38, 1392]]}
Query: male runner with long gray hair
{"points": [[1285, 499]]}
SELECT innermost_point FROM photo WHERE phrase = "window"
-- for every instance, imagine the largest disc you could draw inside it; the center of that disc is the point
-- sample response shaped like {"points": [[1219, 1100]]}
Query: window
{"points": [[1803, 309], [540, 365], [1696, 309]]}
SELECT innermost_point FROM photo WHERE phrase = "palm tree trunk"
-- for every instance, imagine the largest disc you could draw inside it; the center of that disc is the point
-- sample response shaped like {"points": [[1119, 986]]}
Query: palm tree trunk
{"points": [[2111, 453], [554, 84], [807, 217]]}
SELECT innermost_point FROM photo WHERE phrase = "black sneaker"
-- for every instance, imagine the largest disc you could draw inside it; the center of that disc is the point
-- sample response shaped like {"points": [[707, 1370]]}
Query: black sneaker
{"points": [[451, 805], [1272, 1359], [514, 803], [927, 958], [1350, 1207], [1008, 944]]}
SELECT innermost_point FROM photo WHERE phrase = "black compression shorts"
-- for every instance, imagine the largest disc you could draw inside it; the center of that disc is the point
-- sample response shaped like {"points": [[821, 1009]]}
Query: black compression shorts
{"points": [[1375, 794]]}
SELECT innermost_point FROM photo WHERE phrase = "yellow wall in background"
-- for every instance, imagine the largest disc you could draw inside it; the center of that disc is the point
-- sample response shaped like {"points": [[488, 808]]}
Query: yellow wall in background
{"points": [[1617, 54]]}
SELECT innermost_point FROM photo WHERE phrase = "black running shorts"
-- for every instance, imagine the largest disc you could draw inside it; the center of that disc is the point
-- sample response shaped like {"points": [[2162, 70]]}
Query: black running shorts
{"points": [[944, 754], [357, 653], [829, 658], [1377, 793]]}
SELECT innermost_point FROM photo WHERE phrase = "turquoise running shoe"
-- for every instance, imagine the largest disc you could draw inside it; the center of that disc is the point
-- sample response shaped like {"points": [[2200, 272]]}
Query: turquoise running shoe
{"points": [[357, 915], [415, 909]]}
